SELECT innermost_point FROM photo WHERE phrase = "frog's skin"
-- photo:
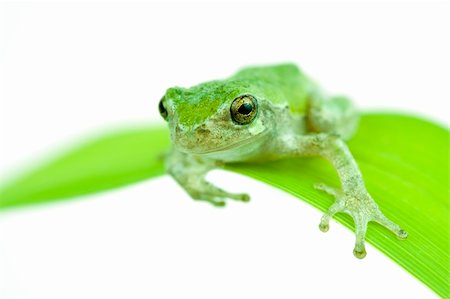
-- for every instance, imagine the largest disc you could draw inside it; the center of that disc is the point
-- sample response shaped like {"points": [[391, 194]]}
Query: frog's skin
{"points": [[283, 115]]}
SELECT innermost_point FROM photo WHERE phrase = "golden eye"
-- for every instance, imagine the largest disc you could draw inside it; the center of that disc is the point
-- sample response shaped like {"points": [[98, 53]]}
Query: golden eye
{"points": [[162, 108], [243, 109]]}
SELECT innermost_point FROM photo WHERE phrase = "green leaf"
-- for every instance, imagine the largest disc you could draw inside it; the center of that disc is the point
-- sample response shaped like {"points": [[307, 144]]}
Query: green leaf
{"points": [[404, 161], [106, 162]]}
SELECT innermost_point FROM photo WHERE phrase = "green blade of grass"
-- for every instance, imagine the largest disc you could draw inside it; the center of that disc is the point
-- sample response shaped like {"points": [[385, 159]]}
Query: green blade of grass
{"points": [[105, 162], [404, 161]]}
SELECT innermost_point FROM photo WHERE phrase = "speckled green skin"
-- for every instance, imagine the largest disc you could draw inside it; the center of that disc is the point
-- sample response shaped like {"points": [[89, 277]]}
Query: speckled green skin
{"points": [[292, 118], [282, 84]]}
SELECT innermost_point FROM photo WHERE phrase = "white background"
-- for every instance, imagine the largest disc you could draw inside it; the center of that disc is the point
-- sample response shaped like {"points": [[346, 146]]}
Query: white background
{"points": [[69, 69]]}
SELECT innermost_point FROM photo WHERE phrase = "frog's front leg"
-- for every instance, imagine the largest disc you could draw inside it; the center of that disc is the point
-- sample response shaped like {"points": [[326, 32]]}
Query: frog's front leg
{"points": [[190, 171], [353, 198]]}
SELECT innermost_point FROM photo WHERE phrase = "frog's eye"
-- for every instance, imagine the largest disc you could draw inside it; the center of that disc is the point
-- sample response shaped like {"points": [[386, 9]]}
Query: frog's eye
{"points": [[243, 109], [162, 108]]}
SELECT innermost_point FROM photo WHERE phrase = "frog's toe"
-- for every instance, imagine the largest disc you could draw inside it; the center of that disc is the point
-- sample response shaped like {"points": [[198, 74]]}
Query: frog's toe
{"points": [[243, 197], [359, 253], [360, 231], [213, 200], [325, 220], [325, 188], [219, 199], [218, 203], [402, 234], [336, 207], [324, 227], [393, 227]]}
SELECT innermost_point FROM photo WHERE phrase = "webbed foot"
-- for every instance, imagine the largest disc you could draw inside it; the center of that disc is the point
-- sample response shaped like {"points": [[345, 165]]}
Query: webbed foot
{"points": [[363, 209]]}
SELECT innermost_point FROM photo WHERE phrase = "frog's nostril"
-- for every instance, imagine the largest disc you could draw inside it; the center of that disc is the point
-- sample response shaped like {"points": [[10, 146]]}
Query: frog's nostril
{"points": [[178, 132], [202, 131]]}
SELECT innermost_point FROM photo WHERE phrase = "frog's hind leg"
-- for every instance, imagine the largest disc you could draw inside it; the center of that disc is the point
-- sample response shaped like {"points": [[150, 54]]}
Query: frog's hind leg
{"points": [[352, 198], [335, 116]]}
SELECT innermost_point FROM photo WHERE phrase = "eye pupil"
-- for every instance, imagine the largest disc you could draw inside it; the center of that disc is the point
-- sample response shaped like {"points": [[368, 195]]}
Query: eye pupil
{"points": [[245, 108], [162, 109]]}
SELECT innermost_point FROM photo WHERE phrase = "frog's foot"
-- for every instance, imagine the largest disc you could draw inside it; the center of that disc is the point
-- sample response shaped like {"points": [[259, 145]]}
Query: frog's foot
{"points": [[214, 195], [363, 209]]}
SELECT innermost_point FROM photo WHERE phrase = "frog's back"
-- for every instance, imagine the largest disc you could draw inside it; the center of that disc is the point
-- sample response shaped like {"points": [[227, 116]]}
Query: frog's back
{"points": [[283, 84]]}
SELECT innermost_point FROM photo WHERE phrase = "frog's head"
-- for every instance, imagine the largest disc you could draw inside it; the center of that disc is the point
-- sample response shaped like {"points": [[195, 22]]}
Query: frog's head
{"points": [[215, 117]]}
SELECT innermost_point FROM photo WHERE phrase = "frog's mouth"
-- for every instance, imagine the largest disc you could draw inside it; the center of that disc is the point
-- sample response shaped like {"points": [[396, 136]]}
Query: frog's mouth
{"points": [[256, 140]]}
